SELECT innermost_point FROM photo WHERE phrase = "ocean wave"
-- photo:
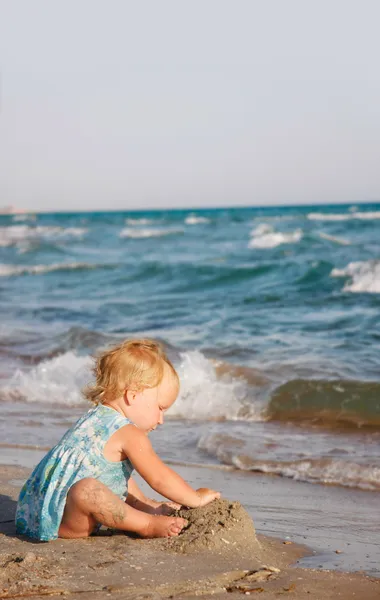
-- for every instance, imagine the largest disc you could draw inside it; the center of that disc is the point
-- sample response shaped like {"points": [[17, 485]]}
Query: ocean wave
{"points": [[365, 276], [205, 395], [208, 391], [148, 233], [138, 221], [18, 234], [333, 238], [329, 217], [23, 217], [264, 236], [195, 220], [334, 403], [29, 349], [334, 471], [361, 215], [57, 380], [367, 215], [14, 270]]}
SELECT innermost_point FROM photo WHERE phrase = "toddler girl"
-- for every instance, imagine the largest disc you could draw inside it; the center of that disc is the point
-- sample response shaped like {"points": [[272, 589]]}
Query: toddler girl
{"points": [[85, 480]]}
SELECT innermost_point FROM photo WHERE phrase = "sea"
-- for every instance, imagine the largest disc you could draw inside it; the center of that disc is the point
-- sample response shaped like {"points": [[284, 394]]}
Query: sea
{"points": [[270, 315]]}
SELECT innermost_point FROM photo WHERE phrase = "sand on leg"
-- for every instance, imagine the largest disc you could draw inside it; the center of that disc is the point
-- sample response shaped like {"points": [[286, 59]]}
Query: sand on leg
{"points": [[90, 502]]}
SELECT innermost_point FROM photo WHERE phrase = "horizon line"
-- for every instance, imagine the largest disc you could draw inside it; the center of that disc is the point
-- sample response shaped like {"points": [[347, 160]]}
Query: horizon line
{"points": [[13, 211]]}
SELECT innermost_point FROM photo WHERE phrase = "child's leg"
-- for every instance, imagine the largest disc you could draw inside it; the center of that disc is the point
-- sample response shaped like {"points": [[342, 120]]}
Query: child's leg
{"points": [[90, 502]]}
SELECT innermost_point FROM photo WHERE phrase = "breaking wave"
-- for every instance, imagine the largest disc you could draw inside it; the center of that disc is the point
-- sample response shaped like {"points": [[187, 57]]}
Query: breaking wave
{"points": [[209, 391], [147, 233], [14, 270], [367, 215], [16, 234], [333, 238], [196, 220], [264, 236], [333, 471], [23, 217], [203, 394], [332, 403], [364, 276], [53, 381], [138, 221]]}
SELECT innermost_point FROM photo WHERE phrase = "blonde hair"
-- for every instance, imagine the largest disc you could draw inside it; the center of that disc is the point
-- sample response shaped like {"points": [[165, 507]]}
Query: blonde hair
{"points": [[133, 364]]}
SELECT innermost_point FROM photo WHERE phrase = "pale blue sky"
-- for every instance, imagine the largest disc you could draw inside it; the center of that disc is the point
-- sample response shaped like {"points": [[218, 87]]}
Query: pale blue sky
{"points": [[109, 104]]}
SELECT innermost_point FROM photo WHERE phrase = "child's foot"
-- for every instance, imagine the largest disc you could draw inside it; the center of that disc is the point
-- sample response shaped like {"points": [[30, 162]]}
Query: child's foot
{"points": [[160, 526]]}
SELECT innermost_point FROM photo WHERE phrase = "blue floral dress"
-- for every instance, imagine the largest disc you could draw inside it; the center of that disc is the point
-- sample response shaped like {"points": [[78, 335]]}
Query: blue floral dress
{"points": [[79, 454]]}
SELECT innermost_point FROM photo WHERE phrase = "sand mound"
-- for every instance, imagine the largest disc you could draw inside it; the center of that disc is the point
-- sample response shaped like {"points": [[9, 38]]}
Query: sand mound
{"points": [[221, 526]]}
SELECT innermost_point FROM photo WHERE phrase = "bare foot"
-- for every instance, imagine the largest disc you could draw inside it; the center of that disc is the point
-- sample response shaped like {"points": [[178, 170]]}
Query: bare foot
{"points": [[160, 526]]}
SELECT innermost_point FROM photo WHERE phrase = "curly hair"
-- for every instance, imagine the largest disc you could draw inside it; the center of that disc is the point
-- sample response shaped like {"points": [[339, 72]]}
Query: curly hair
{"points": [[134, 364]]}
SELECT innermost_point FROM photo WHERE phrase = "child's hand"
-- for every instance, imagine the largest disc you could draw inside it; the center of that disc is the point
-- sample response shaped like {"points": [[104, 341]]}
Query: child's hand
{"points": [[206, 496]]}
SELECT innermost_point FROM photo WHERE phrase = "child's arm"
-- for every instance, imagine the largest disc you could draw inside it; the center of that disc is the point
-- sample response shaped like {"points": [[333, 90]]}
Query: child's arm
{"points": [[159, 476], [138, 500], [134, 492]]}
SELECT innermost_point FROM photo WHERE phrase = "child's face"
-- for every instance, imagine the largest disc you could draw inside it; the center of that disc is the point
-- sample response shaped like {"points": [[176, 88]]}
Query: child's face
{"points": [[150, 404]]}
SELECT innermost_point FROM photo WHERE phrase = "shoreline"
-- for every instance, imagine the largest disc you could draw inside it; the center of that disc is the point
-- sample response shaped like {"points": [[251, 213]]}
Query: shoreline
{"points": [[339, 525], [122, 567]]}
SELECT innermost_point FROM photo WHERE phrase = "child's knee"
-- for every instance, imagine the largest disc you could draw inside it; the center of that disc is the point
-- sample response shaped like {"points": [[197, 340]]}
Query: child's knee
{"points": [[84, 490]]}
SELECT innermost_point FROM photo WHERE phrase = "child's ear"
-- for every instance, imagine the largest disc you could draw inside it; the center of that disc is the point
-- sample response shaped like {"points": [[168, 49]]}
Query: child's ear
{"points": [[130, 397]]}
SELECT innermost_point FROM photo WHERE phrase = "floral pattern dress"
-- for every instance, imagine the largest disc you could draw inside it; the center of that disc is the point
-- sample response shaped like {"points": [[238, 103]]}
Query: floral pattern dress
{"points": [[79, 454]]}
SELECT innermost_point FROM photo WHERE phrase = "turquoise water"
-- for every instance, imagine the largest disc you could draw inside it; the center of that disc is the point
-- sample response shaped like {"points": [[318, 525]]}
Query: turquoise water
{"points": [[270, 314]]}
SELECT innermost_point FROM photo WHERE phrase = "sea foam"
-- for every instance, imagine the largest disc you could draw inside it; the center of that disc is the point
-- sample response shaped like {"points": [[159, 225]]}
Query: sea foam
{"points": [[14, 270], [16, 234], [264, 236], [336, 471], [128, 232], [203, 394], [361, 215], [365, 276], [138, 221], [58, 380], [195, 220], [334, 238]]}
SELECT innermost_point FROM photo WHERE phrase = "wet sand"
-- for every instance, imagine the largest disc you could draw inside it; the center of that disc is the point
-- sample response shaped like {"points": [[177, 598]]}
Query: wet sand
{"points": [[218, 556]]}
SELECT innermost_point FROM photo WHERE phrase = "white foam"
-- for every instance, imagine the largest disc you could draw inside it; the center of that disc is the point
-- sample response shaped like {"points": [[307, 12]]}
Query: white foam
{"points": [[73, 231], [11, 270], [264, 236], [55, 381], [231, 451], [330, 471], [204, 395], [138, 221], [195, 220], [262, 229], [333, 238], [365, 276], [18, 234], [367, 215], [329, 217], [23, 217], [353, 214], [147, 233]]}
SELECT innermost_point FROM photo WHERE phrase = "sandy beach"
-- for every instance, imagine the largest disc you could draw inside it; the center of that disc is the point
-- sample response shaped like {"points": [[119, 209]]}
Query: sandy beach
{"points": [[218, 556]]}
